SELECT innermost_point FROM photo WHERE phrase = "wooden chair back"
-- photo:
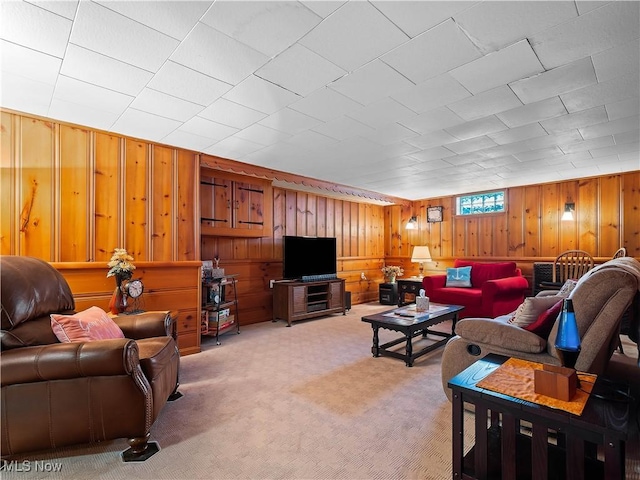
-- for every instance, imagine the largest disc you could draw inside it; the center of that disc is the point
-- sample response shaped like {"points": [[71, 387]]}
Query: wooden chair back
{"points": [[571, 264], [621, 252]]}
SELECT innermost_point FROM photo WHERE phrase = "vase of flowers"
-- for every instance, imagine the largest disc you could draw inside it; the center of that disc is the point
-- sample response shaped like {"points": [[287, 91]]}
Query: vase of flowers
{"points": [[390, 273], [120, 267]]}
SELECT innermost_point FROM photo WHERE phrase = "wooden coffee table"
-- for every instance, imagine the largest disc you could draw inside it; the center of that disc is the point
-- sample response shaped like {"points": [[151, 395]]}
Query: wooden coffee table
{"points": [[411, 324]]}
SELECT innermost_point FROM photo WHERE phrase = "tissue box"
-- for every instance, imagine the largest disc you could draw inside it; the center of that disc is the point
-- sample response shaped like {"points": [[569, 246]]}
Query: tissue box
{"points": [[422, 304]]}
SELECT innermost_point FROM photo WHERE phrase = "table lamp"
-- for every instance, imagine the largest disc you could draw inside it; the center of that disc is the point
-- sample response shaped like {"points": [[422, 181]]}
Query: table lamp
{"points": [[568, 338], [420, 255]]}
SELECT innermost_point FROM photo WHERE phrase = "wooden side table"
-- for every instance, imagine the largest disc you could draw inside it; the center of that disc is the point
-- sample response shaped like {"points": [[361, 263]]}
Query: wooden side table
{"points": [[411, 286], [504, 449]]}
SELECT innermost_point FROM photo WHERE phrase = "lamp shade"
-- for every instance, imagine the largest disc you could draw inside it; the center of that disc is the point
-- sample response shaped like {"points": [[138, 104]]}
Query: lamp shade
{"points": [[421, 254], [412, 224]]}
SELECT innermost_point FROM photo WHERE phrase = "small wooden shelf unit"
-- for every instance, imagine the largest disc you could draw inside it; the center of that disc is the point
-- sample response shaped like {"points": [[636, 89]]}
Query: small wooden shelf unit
{"points": [[294, 301], [219, 306]]}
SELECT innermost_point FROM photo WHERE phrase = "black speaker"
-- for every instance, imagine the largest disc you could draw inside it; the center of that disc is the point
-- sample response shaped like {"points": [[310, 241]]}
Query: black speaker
{"points": [[347, 300]]}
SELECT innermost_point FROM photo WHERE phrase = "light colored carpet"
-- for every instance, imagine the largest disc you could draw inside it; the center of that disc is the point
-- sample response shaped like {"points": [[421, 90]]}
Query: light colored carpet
{"points": [[306, 402]]}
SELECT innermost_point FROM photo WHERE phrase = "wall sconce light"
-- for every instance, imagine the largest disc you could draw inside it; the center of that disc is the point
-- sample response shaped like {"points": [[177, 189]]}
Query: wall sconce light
{"points": [[569, 208], [420, 255], [412, 224]]}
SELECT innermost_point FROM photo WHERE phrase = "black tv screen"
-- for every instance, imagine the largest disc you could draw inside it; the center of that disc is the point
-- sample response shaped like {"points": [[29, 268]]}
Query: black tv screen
{"points": [[305, 258]]}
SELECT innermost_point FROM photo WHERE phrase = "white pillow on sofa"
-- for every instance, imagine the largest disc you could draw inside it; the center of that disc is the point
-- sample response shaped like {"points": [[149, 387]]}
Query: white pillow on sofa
{"points": [[529, 311]]}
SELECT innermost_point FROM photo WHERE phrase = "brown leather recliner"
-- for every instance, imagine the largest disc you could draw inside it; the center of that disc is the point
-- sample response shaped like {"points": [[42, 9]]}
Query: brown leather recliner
{"points": [[57, 394]]}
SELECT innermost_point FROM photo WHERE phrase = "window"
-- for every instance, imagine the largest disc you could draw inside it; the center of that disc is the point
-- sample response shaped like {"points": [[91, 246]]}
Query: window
{"points": [[480, 203]]}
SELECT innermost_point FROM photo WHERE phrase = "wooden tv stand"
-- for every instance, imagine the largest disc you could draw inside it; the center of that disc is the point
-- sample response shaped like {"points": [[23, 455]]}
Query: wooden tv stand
{"points": [[294, 301]]}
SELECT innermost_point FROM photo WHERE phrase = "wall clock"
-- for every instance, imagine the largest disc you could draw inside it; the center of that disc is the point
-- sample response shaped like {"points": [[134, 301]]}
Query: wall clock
{"points": [[434, 214]]}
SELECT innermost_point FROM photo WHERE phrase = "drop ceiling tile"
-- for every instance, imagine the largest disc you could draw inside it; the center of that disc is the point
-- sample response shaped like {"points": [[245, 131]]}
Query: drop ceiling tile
{"points": [[46, 32], [563, 138], [382, 112], [430, 166], [231, 114], [207, 128], [507, 65], [29, 63], [371, 83], [465, 159], [81, 114], [435, 153], [622, 125], [585, 6], [325, 104], [257, 133], [620, 88], [64, 8], [516, 20], [533, 112], [397, 149], [290, 121], [300, 70], [92, 96], [187, 84], [589, 34], [92, 67], [486, 103], [25, 95], [539, 154], [180, 138], [143, 125], [266, 26], [497, 162], [104, 31], [583, 145], [618, 61], [211, 52], [518, 134], [471, 145], [616, 150], [627, 137], [432, 139], [563, 79], [625, 108], [310, 140], [258, 94], [359, 25], [158, 103], [436, 119], [440, 49], [391, 133], [173, 18], [233, 147], [477, 128], [416, 17], [323, 8], [342, 128], [433, 93], [579, 119]]}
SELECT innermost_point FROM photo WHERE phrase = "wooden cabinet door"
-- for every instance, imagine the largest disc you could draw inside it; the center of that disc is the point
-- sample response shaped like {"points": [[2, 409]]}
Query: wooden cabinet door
{"points": [[216, 201], [248, 203], [336, 297], [298, 300]]}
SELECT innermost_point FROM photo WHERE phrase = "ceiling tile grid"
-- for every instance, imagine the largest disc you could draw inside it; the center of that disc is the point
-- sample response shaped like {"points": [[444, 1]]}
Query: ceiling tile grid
{"points": [[415, 98]]}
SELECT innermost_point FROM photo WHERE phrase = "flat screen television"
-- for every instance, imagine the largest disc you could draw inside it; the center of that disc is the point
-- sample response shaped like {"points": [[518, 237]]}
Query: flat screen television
{"points": [[309, 258]]}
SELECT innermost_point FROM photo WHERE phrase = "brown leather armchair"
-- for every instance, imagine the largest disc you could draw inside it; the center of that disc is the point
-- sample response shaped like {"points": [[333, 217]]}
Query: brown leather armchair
{"points": [[57, 394]]}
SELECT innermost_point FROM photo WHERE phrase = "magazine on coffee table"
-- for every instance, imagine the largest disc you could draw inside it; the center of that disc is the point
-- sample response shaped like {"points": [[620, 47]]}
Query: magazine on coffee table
{"points": [[410, 311]]}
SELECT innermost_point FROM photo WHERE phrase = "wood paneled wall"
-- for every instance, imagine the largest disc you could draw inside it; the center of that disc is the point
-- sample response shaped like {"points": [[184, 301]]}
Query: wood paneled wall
{"points": [[359, 232], [71, 194], [607, 217]]}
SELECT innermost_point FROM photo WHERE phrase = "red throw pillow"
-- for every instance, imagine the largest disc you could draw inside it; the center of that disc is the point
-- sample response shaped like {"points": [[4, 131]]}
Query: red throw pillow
{"points": [[86, 326], [544, 323]]}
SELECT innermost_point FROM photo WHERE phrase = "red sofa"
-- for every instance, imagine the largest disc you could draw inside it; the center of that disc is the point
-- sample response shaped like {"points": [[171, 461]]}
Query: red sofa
{"points": [[496, 289]]}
